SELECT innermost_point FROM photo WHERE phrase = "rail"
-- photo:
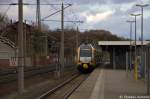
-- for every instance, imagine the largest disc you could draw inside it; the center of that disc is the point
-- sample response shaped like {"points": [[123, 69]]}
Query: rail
{"points": [[10, 75], [57, 87]]}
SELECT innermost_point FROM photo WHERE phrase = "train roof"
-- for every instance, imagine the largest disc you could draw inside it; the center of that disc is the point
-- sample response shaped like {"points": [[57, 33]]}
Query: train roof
{"points": [[86, 46]]}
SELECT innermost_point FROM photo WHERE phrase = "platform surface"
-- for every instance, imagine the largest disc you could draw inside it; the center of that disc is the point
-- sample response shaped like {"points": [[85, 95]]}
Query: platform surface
{"points": [[111, 84]]}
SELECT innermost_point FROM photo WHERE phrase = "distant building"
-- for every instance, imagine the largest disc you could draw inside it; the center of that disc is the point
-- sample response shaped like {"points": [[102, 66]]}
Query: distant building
{"points": [[9, 43], [7, 54], [11, 33], [33, 42]]}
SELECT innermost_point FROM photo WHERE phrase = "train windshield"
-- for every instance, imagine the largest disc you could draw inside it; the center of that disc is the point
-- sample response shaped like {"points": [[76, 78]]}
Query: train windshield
{"points": [[85, 53]]}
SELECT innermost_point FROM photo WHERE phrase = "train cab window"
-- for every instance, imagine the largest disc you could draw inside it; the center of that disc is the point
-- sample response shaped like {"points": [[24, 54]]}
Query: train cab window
{"points": [[85, 53]]}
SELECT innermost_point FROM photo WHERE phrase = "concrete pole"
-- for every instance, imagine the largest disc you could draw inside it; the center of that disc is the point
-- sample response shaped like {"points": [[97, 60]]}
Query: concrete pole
{"points": [[77, 43], [62, 40], [38, 15], [127, 63], [135, 53], [131, 22], [20, 46], [114, 60], [77, 37], [130, 45], [142, 28], [148, 63], [46, 49], [25, 44], [46, 45], [136, 67], [135, 37], [145, 65], [142, 55]]}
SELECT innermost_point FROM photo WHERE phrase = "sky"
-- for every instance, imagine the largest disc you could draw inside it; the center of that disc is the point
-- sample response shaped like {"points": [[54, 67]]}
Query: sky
{"points": [[108, 15]]}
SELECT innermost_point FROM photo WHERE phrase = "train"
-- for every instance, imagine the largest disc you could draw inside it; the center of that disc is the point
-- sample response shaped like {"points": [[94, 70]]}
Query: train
{"points": [[86, 61]]}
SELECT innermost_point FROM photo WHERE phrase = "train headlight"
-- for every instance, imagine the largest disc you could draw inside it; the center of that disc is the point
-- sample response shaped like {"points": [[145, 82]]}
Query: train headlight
{"points": [[85, 66]]}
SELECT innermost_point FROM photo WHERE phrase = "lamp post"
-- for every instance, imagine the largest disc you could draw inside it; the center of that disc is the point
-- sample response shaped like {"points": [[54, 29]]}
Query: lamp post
{"points": [[142, 50], [135, 53], [142, 6], [130, 22], [142, 55], [135, 15]]}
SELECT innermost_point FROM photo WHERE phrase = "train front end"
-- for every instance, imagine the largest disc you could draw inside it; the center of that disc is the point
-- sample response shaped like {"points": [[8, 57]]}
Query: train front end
{"points": [[85, 58]]}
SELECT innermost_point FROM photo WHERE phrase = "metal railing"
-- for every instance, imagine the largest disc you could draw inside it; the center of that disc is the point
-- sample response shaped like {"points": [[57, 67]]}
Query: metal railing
{"points": [[7, 41]]}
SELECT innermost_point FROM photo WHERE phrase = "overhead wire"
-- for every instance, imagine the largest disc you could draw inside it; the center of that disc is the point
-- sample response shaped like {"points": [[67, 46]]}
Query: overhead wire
{"points": [[5, 12], [73, 15], [51, 5], [55, 13], [46, 1], [3, 16]]}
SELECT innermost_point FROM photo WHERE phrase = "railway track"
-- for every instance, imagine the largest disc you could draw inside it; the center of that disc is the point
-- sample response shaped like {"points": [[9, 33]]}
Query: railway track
{"points": [[65, 89], [10, 75], [43, 82]]}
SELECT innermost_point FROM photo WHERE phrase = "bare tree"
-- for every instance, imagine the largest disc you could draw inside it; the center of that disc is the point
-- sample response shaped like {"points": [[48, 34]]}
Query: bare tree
{"points": [[4, 21]]}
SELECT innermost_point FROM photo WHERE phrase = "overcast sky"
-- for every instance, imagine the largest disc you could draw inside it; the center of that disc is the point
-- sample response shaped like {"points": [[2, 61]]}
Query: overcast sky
{"points": [[97, 14]]}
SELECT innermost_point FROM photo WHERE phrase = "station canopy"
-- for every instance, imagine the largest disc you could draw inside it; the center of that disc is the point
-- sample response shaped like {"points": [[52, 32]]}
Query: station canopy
{"points": [[122, 43]]}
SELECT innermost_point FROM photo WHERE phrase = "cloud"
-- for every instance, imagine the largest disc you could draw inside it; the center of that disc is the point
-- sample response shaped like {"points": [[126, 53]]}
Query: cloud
{"points": [[98, 17], [146, 14], [126, 7], [13, 13], [96, 14], [4, 1], [122, 1], [85, 2]]}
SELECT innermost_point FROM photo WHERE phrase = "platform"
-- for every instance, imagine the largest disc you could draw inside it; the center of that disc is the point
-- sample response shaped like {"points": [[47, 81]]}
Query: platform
{"points": [[110, 84]]}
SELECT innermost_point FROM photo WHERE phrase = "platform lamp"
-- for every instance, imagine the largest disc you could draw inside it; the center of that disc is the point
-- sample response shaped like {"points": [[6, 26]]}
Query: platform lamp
{"points": [[135, 54], [142, 6], [142, 48], [131, 24]]}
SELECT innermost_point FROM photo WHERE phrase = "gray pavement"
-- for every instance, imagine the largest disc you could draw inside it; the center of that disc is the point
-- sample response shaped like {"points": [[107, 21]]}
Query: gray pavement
{"points": [[86, 88], [118, 85], [111, 84]]}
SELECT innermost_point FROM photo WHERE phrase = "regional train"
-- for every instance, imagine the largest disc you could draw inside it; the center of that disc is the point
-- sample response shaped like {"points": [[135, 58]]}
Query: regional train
{"points": [[86, 58]]}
